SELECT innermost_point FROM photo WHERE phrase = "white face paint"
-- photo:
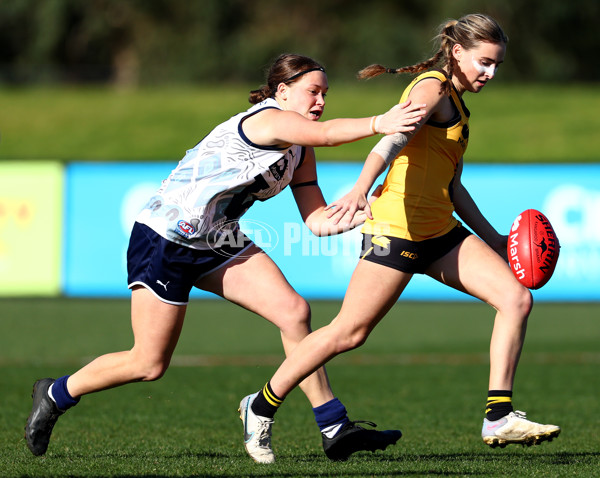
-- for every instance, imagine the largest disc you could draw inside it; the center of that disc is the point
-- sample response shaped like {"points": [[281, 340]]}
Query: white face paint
{"points": [[482, 69]]}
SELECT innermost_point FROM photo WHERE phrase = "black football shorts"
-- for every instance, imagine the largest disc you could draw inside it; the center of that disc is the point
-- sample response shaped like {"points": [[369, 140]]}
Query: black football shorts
{"points": [[410, 256]]}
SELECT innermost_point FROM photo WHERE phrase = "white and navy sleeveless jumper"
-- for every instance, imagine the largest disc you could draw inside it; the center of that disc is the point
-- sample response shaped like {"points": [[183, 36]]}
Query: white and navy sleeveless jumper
{"points": [[217, 181]]}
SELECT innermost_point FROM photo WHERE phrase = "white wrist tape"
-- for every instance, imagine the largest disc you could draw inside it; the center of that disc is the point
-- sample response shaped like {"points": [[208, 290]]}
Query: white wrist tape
{"points": [[375, 120], [389, 146], [376, 126]]}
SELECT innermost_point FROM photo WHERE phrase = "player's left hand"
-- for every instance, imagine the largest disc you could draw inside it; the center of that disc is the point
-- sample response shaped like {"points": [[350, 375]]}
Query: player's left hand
{"points": [[343, 210], [360, 216]]}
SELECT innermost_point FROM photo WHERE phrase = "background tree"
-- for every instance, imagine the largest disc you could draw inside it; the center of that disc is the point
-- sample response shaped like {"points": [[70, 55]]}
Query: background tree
{"points": [[131, 42]]}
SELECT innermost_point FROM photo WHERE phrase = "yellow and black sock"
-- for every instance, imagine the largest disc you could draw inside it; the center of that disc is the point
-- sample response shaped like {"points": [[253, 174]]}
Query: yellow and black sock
{"points": [[266, 402], [499, 404]]}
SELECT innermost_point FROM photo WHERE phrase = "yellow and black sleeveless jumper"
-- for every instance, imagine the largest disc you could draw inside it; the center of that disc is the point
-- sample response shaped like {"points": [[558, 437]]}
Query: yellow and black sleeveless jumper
{"points": [[416, 202]]}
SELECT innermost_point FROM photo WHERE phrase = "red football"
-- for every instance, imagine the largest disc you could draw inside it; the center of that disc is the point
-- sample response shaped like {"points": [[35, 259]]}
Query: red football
{"points": [[532, 249]]}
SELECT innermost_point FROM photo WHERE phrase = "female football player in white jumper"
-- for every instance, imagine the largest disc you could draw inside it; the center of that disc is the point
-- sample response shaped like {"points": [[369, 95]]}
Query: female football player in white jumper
{"points": [[411, 229], [188, 235]]}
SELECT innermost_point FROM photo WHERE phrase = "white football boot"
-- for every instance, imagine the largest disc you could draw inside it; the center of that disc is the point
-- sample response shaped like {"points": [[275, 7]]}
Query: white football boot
{"points": [[515, 428], [257, 432]]}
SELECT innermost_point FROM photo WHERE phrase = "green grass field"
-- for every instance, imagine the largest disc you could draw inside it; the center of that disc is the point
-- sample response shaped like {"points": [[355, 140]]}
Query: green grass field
{"points": [[509, 123], [424, 370]]}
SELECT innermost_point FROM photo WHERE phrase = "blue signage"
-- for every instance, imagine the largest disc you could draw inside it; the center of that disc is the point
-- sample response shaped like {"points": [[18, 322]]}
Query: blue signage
{"points": [[102, 200]]}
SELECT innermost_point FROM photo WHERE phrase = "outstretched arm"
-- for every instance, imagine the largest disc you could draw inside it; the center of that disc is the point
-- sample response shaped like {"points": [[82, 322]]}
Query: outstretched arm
{"points": [[273, 127]]}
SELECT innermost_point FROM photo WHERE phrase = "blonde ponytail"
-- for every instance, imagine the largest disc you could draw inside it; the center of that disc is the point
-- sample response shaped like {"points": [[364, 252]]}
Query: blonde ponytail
{"points": [[468, 31]]}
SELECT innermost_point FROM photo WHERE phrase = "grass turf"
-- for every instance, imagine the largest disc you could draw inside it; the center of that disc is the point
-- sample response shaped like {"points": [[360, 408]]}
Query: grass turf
{"points": [[509, 123], [424, 370]]}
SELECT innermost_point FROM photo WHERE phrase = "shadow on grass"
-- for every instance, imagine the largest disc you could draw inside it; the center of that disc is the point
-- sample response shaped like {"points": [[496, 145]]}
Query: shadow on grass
{"points": [[234, 465]]}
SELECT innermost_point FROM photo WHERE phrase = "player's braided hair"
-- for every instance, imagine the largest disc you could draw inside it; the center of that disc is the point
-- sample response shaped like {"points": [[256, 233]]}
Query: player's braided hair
{"points": [[468, 31], [287, 68]]}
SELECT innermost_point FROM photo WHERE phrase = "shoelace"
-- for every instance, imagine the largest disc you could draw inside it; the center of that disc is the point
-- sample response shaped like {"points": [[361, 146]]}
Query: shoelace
{"points": [[264, 434], [520, 414], [374, 425]]}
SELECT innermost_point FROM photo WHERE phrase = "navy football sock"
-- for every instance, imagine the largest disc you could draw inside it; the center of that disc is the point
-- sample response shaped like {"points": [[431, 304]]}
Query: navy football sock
{"points": [[331, 416], [61, 396]]}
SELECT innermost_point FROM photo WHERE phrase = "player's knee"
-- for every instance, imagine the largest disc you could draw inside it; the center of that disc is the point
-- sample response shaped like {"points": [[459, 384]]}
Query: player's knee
{"points": [[154, 372], [359, 338], [522, 300], [350, 340], [526, 301], [149, 370], [296, 314], [517, 301]]}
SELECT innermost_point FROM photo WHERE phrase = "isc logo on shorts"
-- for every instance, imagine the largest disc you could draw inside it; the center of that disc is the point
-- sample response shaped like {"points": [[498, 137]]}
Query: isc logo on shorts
{"points": [[409, 255]]}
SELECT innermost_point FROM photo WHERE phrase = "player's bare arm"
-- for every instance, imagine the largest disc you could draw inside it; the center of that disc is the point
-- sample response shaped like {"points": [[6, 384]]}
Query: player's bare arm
{"points": [[469, 212], [281, 128]]}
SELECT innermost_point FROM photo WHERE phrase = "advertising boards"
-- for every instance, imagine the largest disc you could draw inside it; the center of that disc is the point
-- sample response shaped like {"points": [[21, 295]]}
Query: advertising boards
{"points": [[103, 199], [31, 220]]}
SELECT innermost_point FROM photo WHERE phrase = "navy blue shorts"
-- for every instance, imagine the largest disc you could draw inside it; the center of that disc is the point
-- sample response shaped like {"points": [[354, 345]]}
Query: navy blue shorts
{"points": [[168, 269], [413, 257]]}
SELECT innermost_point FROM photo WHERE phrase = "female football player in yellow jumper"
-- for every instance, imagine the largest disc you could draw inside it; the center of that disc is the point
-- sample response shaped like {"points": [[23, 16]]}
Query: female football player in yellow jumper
{"points": [[412, 230]]}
